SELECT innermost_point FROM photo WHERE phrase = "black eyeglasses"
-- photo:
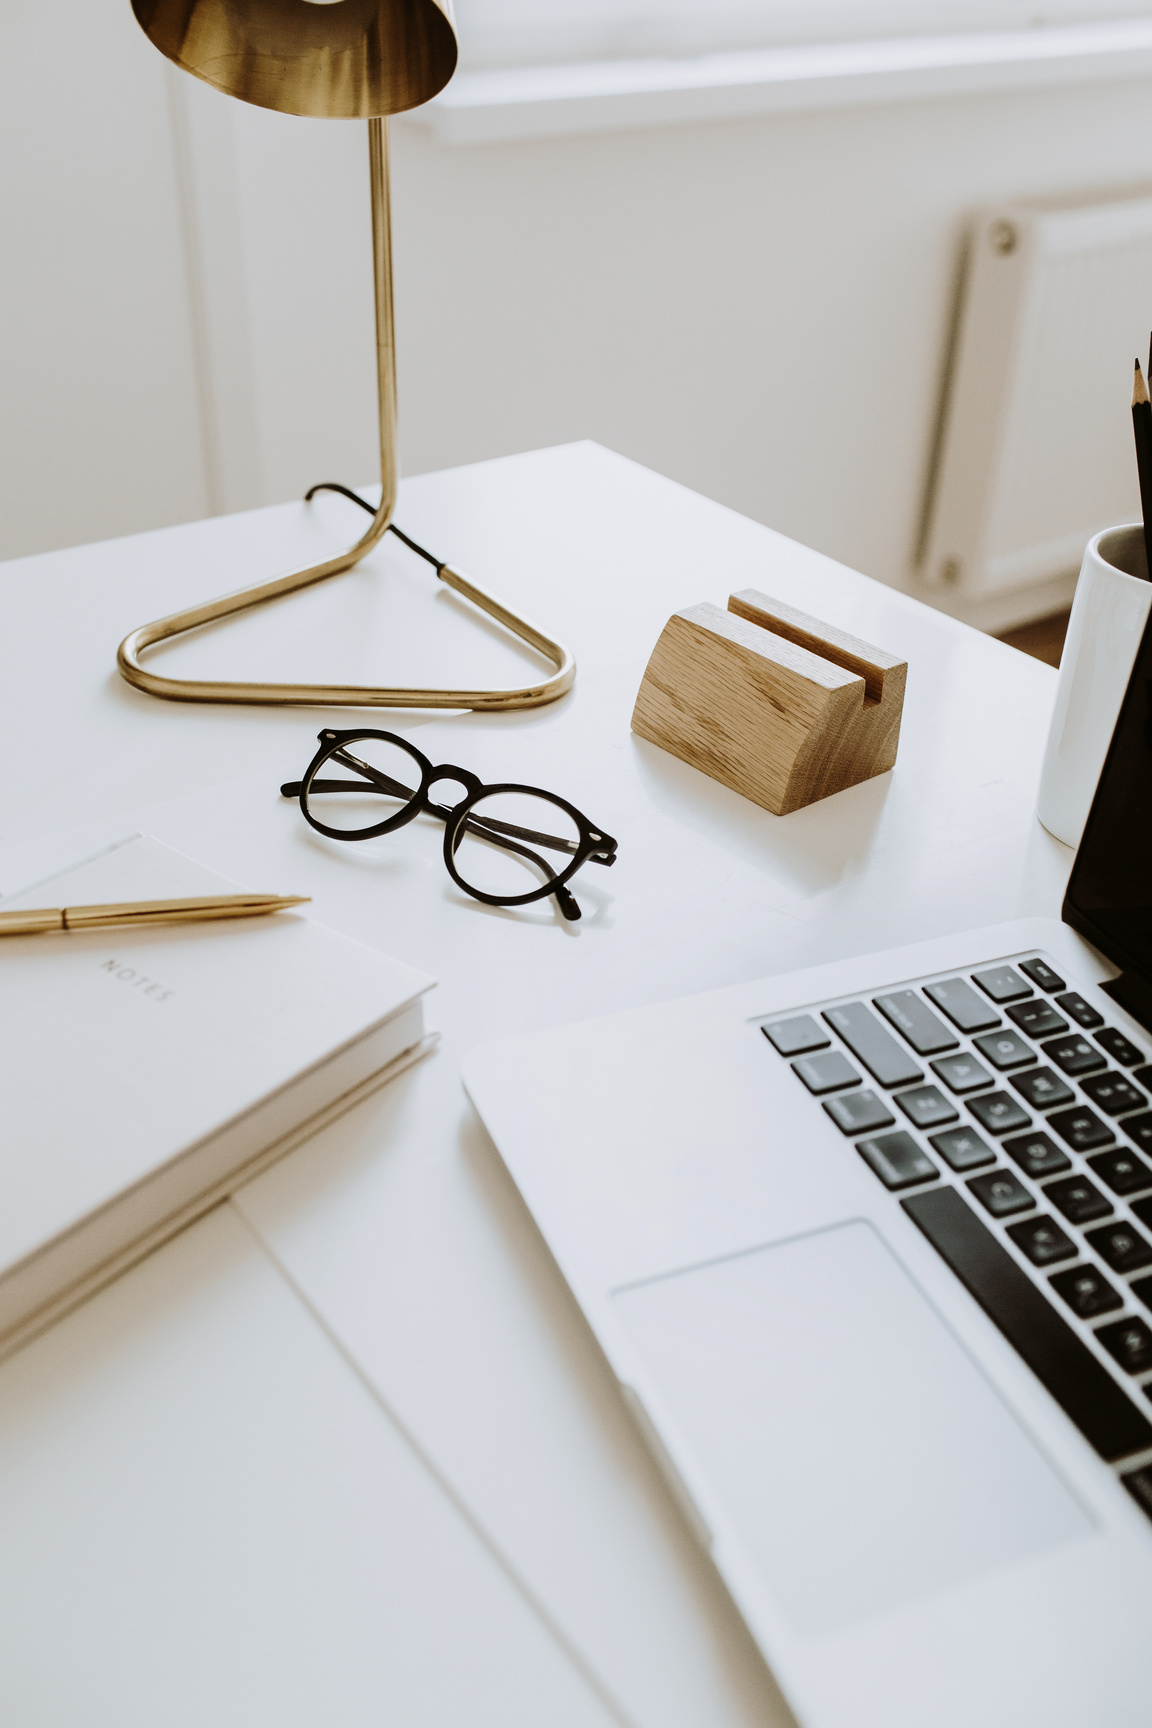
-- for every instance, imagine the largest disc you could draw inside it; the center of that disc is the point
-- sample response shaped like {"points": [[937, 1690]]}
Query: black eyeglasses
{"points": [[493, 839]]}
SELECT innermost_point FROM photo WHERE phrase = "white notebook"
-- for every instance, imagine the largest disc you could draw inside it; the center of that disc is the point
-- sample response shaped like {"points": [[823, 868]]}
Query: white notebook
{"points": [[144, 1074]]}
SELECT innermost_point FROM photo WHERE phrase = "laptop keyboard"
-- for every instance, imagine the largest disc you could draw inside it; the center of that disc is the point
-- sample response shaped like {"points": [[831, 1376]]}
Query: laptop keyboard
{"points": [[1011, 1122]]}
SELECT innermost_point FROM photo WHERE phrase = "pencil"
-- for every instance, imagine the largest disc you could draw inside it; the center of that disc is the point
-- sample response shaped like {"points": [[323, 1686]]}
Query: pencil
{"points": [[130, 914], [1142, 430]]}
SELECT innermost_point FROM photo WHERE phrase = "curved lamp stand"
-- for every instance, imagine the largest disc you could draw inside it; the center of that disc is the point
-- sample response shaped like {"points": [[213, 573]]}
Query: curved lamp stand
{"points": [[228, 605]]}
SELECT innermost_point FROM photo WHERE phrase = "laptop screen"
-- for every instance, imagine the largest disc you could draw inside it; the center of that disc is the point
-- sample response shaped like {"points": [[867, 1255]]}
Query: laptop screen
{"points": [[1109, 898]]}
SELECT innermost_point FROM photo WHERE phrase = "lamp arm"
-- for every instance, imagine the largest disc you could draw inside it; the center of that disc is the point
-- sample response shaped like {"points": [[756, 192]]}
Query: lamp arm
{"points": [[380, 181]]}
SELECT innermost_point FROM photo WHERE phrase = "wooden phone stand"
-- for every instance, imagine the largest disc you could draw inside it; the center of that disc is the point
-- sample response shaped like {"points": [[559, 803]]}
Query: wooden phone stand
{"points": [[773, 703]]}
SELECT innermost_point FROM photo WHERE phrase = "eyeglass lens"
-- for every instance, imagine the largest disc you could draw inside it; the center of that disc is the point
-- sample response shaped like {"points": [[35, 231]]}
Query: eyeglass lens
{"points": [[363, 782], [514, 843]]}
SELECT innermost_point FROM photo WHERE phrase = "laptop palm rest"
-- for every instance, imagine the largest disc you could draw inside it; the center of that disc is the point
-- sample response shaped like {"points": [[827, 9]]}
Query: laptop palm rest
{"points": [[856, 1447]]}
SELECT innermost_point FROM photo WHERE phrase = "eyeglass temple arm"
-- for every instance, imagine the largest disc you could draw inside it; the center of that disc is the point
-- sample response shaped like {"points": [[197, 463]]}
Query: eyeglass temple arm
{"points": [[485, 825], [489, 824], [476, 824], [566, 901]]}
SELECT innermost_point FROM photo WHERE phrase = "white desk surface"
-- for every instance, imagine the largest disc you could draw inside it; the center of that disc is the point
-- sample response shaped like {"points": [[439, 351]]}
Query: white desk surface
{"points": [[344, 1451]]}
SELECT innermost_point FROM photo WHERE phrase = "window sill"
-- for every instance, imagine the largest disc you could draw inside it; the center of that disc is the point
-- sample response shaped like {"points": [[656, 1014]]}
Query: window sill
{"points": [[548, 101]]}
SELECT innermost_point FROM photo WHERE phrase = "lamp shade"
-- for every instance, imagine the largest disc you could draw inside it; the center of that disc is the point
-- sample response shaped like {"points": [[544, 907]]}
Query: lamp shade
{"points": [[331, 59]]}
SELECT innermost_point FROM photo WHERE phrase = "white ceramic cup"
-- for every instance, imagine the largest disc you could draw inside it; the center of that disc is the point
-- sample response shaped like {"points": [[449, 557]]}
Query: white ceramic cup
{"points": [[1113, 598]]}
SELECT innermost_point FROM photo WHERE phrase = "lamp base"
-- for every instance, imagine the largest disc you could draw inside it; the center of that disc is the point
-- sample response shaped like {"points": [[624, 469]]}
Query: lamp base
{"points": [[229, 605]]}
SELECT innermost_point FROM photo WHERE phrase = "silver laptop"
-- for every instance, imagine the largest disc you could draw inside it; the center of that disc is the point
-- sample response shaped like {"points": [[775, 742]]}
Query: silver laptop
{"points": [[869, 1250]]}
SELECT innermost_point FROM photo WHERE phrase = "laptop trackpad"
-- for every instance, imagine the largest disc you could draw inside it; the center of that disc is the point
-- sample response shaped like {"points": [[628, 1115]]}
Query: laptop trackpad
{"points": [[863, 1456]]}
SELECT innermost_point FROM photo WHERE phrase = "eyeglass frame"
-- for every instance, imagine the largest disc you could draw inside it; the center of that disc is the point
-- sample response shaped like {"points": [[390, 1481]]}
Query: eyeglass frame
{"points": [[594, 846]]}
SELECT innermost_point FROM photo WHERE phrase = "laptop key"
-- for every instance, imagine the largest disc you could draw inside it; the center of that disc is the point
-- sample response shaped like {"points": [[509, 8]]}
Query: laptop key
{"points": [[1139, 1128], [1113, 1093], [1108, 1419], [1120, 1049], [859, 1112], [961, 1074], [1080, 1200], [1005, 1050], [962, 1148], [1042, 1088], [1036, 1154], [1037, 1019], [1130, 1342], [1075, 1055], [1143, 1077], [1042, 975], [1141, 1288], [1139, 1485], [998, 1112], [1121, 1171], [885, 1060], [1120, 1247], [1143, 1211], [1077, 1009], [1081, 1129], [905, 1010], [961, 1004], [1086, 1291], [1002, 984], [1043, 1241], [897, 1160], [1001, 1193], [797, 1036], [828, 1073], [926, 1107]]}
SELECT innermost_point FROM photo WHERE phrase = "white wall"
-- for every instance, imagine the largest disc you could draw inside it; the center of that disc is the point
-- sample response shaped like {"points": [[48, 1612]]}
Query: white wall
{"points": [[758, 309], [100, 428]]}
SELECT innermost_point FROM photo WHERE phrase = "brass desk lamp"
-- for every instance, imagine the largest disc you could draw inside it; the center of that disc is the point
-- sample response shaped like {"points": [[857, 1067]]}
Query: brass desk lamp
{"points": [[334, 59]]}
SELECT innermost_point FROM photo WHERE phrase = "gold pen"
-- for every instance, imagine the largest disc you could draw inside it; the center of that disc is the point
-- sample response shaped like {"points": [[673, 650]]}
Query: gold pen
{"points": [[130, 913]]}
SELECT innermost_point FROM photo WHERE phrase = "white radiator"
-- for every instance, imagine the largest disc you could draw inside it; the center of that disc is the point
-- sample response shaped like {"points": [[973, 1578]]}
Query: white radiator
{"points": [[1035, 448]]}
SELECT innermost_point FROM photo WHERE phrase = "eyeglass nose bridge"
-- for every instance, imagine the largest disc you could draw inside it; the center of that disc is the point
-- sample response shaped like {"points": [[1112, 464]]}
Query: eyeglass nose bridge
{"points": [[471, 783]]}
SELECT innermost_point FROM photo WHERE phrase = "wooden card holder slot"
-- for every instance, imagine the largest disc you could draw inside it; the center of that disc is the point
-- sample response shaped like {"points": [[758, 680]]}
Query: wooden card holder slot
{"points": [[777, 705]]}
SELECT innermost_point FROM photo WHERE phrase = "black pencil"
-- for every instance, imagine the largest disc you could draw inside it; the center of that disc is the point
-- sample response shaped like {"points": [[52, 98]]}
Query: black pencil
{"points": [[1142, 429]]}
